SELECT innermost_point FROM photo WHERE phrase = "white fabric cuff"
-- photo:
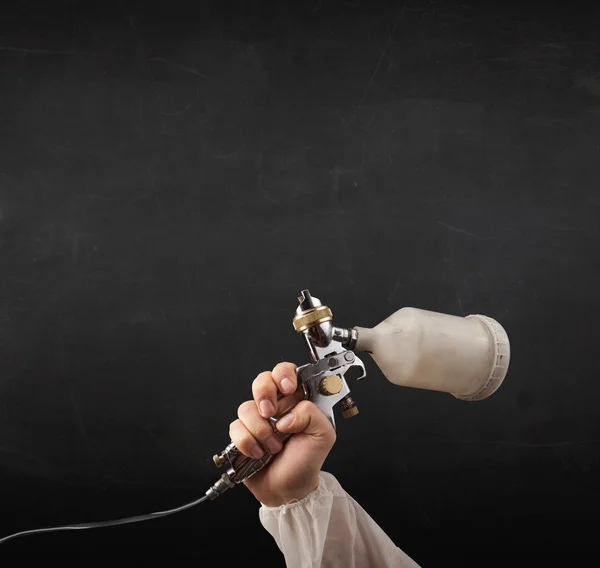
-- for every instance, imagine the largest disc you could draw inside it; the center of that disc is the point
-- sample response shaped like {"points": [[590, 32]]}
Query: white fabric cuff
{"points": [[317, 494]]}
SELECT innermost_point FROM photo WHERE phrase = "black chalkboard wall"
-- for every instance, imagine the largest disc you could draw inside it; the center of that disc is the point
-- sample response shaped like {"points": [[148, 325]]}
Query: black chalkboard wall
{"points": [[172, 177]]}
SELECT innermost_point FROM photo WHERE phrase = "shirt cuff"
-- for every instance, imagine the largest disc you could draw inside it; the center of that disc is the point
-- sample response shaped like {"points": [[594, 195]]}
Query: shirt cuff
{"points": [[315, 495]]}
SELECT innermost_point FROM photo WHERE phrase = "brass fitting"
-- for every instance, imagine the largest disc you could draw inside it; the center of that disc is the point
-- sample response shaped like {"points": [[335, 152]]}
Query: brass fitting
{"points": [[349, 408], [353, 411], [312, 317]]}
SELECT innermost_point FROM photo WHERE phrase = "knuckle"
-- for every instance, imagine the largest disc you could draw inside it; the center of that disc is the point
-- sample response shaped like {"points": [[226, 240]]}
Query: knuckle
{"points": [[305, 408], [328, 432], [263, 377], [330, 435], [245, 447], [260, 430], [245, 444], [245, 407], [234, 428], [264, 432], [284, 368], [262, 382], [263, 435], [240, 437]]}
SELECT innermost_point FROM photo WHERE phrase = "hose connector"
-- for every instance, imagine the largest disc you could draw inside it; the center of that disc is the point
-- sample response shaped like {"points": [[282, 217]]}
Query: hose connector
{"points": [[223, 484]]}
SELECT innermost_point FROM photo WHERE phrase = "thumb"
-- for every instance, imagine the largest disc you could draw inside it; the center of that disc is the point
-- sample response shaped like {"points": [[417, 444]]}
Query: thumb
{"points": [[307, 419]]}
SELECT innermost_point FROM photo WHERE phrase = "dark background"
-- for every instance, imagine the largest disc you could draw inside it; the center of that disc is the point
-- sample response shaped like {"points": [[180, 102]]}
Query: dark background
{"points": [[171, 176]]}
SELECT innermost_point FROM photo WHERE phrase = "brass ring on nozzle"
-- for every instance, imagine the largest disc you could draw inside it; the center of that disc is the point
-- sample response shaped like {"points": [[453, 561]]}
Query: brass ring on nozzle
{"points": [[312, 317]]}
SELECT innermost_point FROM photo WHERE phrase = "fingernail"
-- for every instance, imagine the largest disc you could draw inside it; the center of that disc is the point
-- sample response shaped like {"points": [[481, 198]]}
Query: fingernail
{"points": [[273, 444], [286, 420], [287, 385], [257, 452], [266, 408]]}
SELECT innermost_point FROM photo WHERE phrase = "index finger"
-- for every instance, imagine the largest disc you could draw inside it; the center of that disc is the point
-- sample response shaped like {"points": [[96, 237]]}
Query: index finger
{"points": [[264, 391], [284, 375]]}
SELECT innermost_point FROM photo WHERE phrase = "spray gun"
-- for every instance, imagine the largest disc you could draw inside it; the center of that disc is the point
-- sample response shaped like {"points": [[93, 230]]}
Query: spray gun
{"points": [[467, 357]]}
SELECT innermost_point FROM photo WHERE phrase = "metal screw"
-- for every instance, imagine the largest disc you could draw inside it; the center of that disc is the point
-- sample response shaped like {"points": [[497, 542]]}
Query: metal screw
{"points": [[349, 356]]}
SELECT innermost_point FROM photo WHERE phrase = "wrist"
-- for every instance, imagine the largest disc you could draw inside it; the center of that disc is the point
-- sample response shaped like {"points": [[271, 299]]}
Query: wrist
{"points": [[285, 498]]}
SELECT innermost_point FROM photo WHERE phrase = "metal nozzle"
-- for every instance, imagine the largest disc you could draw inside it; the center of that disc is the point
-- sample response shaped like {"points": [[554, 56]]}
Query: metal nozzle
{"points": [[307, 302]]}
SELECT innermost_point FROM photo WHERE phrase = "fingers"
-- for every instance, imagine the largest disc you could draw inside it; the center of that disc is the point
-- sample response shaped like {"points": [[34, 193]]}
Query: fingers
{"points": [[266, 385], [244, 441], [251, 433], [284, 375], [306, 418], [264, 391], [257, 431]]}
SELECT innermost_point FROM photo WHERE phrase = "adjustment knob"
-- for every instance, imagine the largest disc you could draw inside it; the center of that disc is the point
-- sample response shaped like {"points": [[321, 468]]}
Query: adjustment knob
{"points": [[331, 384]]}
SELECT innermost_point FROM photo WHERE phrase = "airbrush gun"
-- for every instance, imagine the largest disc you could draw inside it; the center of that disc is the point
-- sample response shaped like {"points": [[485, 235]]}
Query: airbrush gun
{"points": [[467, 357]]}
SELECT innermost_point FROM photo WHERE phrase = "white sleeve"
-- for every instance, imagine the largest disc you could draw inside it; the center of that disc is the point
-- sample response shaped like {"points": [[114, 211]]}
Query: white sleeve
{"points": [[329, 529]]}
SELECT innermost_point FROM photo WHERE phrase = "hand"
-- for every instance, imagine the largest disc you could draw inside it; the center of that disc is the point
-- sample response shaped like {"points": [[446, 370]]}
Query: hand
{"points": [[294, 473]]}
